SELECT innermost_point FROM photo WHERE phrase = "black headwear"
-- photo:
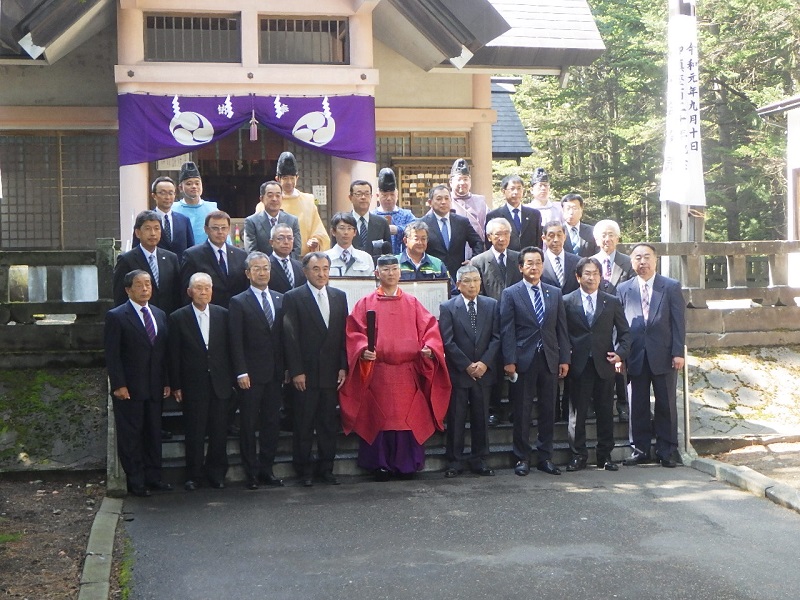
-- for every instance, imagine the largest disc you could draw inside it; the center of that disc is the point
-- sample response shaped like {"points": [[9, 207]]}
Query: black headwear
{"points": [[388, 259], [387, 182], [540, 176], [460, 167], [287, 165], [188, 170]]}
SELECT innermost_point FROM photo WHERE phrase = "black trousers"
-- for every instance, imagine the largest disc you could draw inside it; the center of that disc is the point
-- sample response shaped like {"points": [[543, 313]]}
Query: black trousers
{"points": [[584, 388], [259, 409], [472, 402], [315, 410], [665, 412], [538, 382], [207, 416], [139, 439]]}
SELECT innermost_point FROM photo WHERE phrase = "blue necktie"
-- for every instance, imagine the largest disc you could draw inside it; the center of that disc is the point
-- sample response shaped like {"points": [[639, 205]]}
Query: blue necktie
{"points": [[517, 222], [445, 233], [149, 326], [223, 267], [538, 305]]}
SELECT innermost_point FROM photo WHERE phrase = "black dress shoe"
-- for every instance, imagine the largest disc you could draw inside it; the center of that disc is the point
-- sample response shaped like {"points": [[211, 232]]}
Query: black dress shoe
{"points": [[160, 486], [548, 467], [251, 484], [270, 479], [166, 435], [668, 462], [636, 459], [141, 492], [308, 482], [190, 485], [450, 473], [329, 478], [522, 468], [623, 416], [484, 472], [608, 465], [493, 421], [382, 475], [578, 463], [217, 485]]}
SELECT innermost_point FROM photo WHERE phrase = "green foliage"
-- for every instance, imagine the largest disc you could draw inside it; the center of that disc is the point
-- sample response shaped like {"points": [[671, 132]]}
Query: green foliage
{"points": [[5, 538], [603, 133]]}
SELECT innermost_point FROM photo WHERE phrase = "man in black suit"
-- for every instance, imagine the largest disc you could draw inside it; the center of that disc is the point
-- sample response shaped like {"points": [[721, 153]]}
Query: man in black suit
{"points": [[160, 264], [598, 333], [536, 353], [258, 227], [470, 327], [526, 222], [580, 236], [498, 269], [176, 229], [286, 272], [655, 310], [313, 325], [256, 317], [448, 233], [369, 226], [135, 341], [201, 377], [222, 261]]}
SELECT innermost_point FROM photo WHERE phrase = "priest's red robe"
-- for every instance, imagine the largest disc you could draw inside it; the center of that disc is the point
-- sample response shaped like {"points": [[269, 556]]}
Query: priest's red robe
{"points": [[401, 390]]}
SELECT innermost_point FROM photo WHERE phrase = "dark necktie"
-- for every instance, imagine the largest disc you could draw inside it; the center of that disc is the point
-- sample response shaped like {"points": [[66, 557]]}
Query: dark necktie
{"points": [[559, 271], [538, 305], [607, 272], [288, 271], [473, 316], [501, 260], [272, 221], [167, 229], [345, 257], [517, 222], [267, 309], [149, 326], [362, 233], [445, 233], [222, 265]]}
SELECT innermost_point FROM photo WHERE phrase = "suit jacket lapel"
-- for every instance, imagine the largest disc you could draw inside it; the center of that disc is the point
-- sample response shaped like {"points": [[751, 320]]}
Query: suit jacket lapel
{"points": [[263, 224], [255, 305], [313, 309], [526, 299], [133, 316], [656, 296]]}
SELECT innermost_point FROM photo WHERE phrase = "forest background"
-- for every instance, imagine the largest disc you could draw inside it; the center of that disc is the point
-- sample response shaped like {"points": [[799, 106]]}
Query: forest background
{"points": [[602, 135]]}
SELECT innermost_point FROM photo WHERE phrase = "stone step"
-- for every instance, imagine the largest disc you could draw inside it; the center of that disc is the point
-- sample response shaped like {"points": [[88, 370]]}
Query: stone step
{"points": [[500, 457]]}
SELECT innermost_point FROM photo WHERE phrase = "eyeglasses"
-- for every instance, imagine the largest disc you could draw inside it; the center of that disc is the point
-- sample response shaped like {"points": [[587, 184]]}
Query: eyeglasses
{"points": [[219, 228], [283, 238], [362, 194]]}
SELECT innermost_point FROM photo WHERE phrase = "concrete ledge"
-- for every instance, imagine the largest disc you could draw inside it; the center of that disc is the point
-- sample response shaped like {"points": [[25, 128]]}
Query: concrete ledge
{"points": [[100, 551], [716, 445], [751, 481]]}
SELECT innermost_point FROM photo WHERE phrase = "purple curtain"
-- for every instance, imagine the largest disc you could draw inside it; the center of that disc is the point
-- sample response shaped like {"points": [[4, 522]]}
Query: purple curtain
{"points": [[157, 127]]}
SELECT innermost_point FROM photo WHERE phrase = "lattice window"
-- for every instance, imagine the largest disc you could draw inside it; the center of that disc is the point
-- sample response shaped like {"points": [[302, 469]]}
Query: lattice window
{"points": [[59, 192], [294, 40], [173, 38]]}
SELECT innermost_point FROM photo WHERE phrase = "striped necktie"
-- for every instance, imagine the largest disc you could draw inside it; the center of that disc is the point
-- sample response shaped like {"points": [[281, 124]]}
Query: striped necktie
{"points": [[559, 271], [149, 326], [167, 229], [646, 301], [288, 271], [267, 309], [538, 305], [151, 260], [362, 234]]}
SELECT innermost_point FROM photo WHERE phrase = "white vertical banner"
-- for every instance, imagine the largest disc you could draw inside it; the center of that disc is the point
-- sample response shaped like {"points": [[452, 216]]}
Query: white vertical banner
{"points": [[682, 174]]}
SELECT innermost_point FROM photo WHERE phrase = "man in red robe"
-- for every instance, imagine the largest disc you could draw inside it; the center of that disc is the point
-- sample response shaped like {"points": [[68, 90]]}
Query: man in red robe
{"points": [[398, 393]]}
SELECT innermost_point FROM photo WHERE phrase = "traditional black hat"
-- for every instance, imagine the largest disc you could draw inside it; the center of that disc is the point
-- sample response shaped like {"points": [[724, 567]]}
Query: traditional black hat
{"points": [[460, 167], [540, 176], [287, 165], [188, 170], [387, 182], [388, 259]]}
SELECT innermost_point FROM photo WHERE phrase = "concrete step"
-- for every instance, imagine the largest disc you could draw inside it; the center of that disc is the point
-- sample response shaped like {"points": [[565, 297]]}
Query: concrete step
{"points": [[500, 457]]}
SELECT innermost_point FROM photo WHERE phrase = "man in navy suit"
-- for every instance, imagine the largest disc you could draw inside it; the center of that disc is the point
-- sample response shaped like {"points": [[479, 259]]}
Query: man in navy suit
{"points": [[177, 234], [160, 264], [470, 327], [580, 236], [448, 233], [369, 226], [135, 341], [536, 353], [559, 270], [598, 333], [256, 318], [314, 335], [526, 222], [258, 227], [222, 261], [201, 377], [286, 273], [655, 310]]}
